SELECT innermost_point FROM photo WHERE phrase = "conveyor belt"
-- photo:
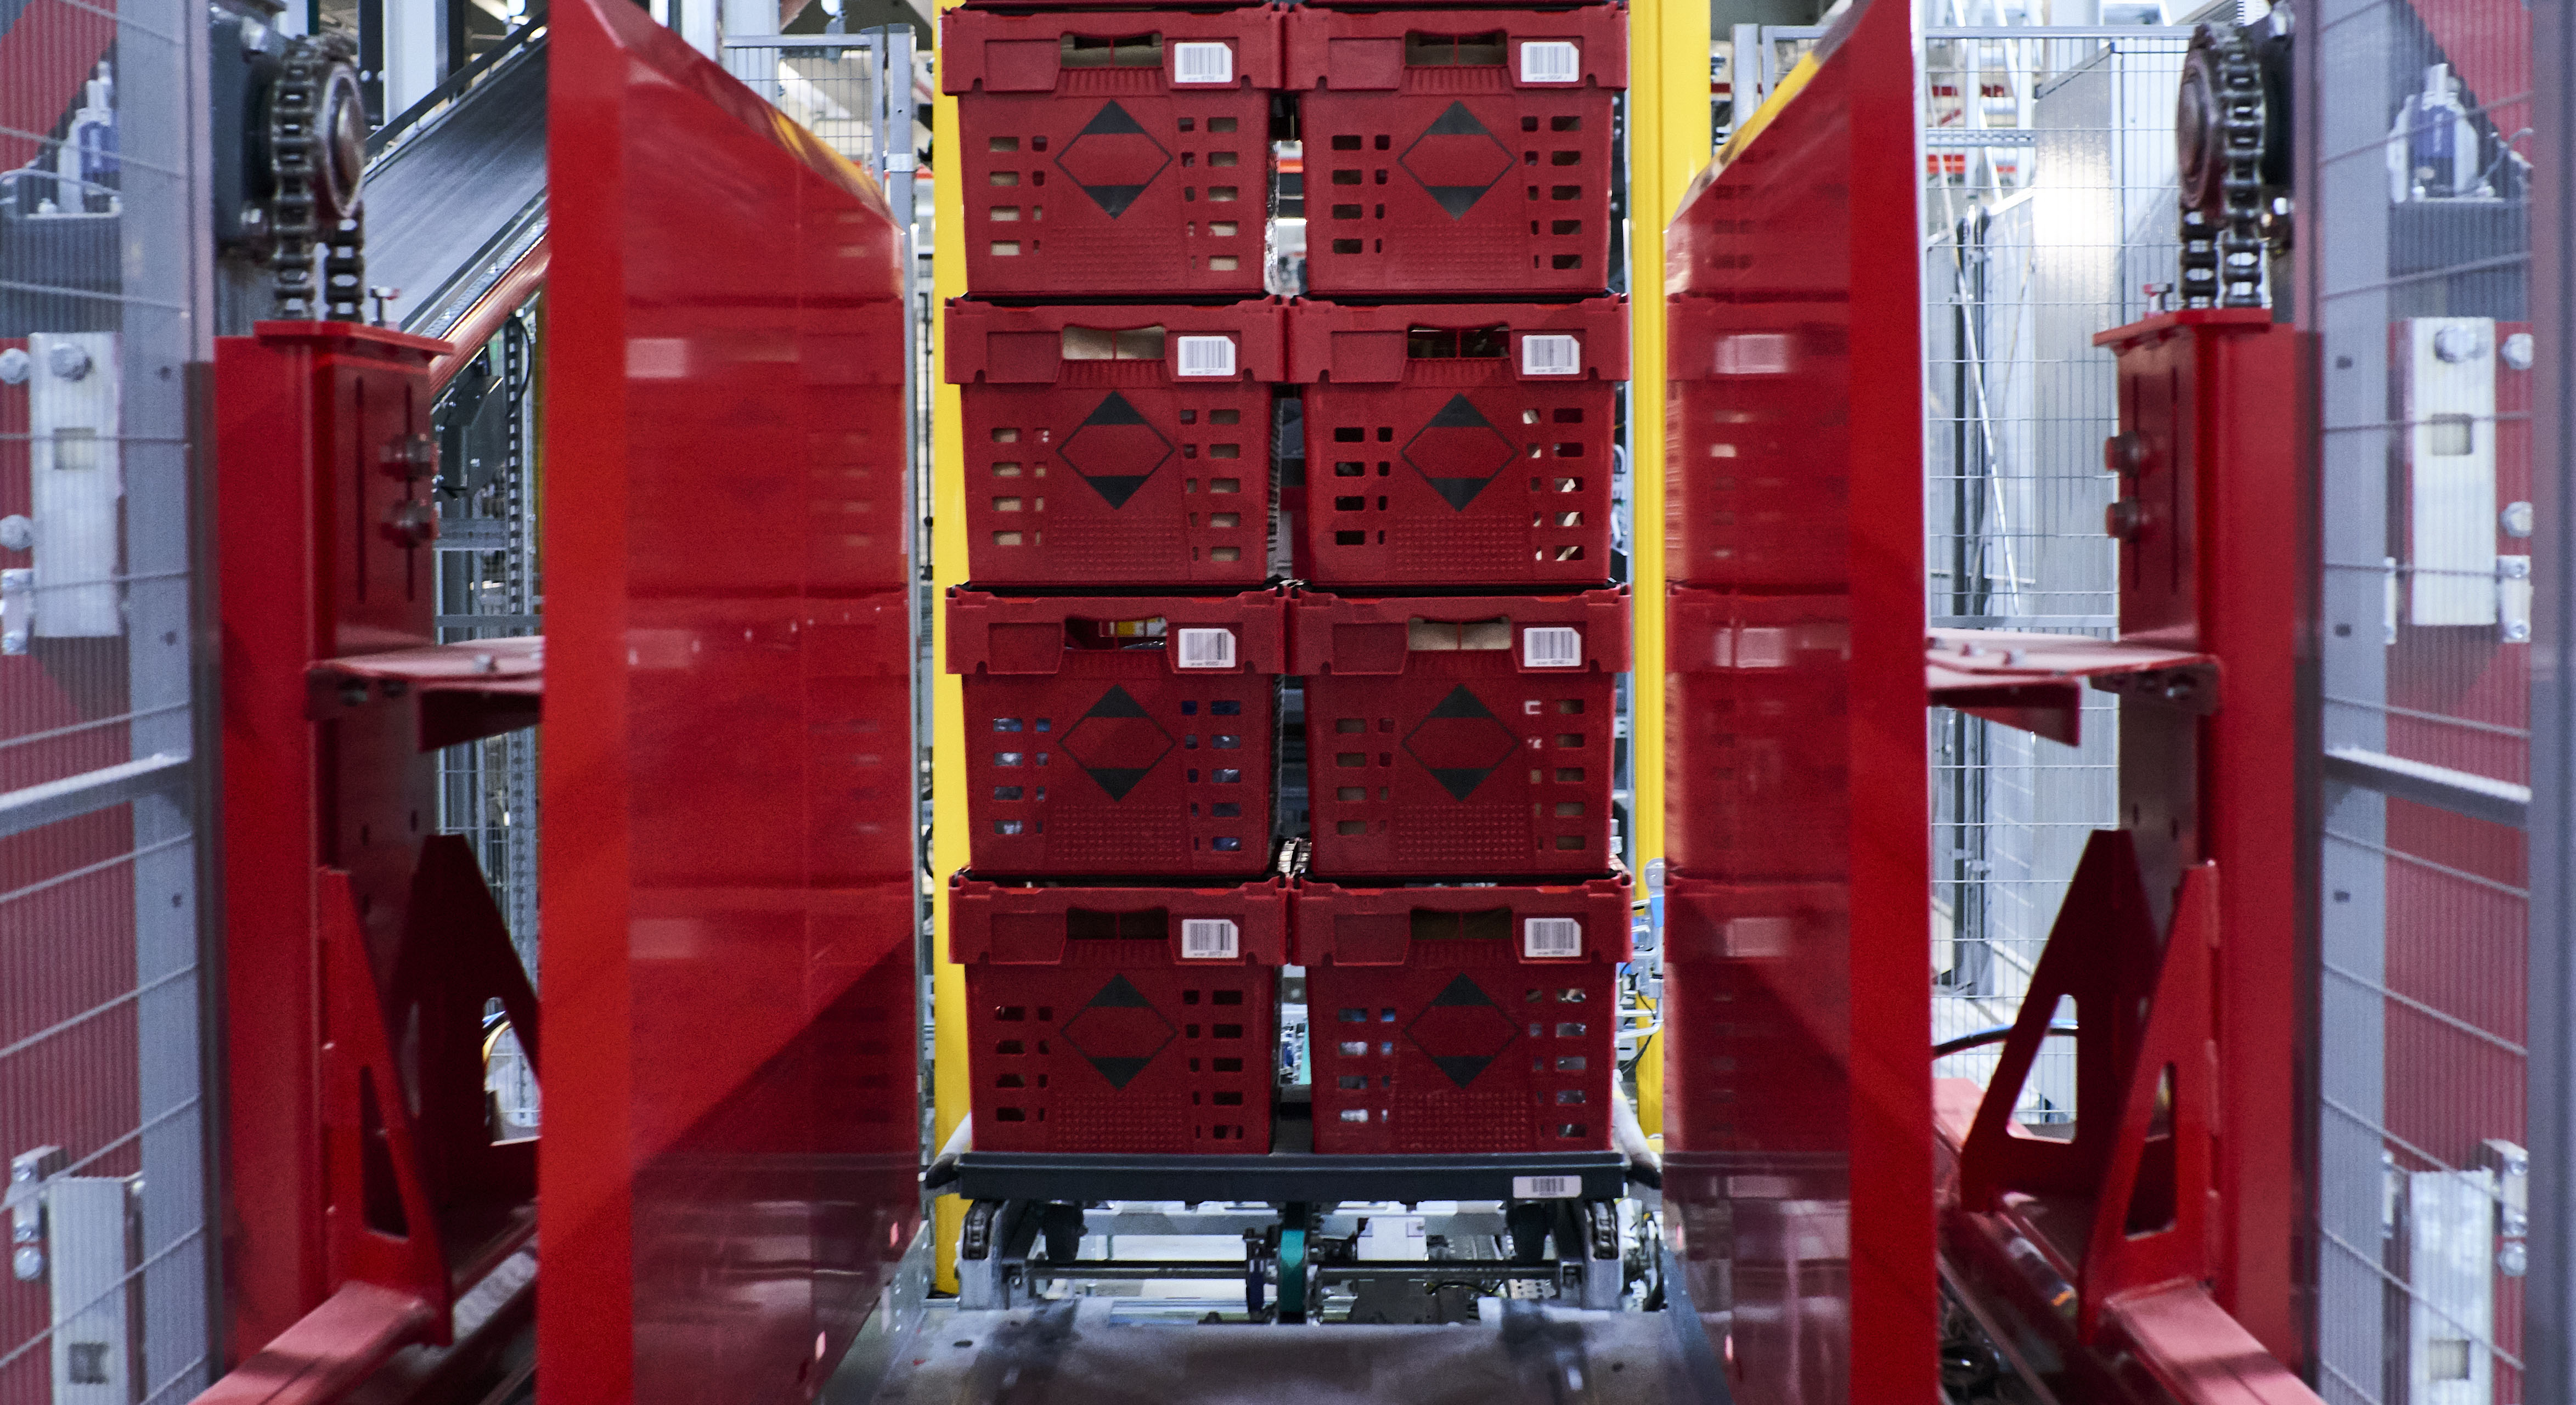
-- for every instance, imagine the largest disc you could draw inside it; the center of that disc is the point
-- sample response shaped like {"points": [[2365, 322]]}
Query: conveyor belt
{"points": [[459, 193]]}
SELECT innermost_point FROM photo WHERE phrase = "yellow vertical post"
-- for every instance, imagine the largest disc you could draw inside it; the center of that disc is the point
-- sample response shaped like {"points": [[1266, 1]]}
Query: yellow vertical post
{"points": [[951, 1093], [1668, 142]]}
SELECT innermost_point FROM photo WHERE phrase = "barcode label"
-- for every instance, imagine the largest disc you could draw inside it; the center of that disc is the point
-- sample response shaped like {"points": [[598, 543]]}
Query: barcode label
{"points": [[1554, 61], [1752, 648], [1551, 936], [1207, 648], [1551, 356], [1209, 939], [1551, 648], [1202, 63], [1206, 356], [1752, 354], [1547, 1187]]}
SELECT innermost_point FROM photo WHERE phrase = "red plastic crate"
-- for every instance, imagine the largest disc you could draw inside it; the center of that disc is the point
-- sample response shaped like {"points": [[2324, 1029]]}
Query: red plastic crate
{"points": [[1757, 483], [1453, 445], [1437, 749], [1457, 151], [1091, 750], [1124, 1019], [1776, 958], [1091, 168], [1755, 755], [1435, 1028], [1117, 446]]}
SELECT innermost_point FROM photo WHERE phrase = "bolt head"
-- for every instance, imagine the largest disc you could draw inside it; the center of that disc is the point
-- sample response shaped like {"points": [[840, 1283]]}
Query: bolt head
{"points": [[2516, 351], [68, 361], [15, 366], [18, 532], [2455, 344], [2517, 519], [28, 1263], [2513, 1260]]}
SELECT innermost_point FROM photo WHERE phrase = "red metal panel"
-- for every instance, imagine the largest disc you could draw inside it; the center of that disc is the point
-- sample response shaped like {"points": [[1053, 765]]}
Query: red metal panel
{"points": [[731, 1115], [1098, 454], [1436, 1028], [1096, 746], [1445, 450], [1096, 1024], [2204, 392], [1460, 152], [1447, 742], [1799, 1072], [1092, 167]]}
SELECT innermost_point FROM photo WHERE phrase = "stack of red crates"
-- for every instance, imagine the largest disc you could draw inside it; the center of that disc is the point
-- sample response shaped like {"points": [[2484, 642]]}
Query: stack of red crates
{"points": [[1459, 358], [1119, 641], [1758, 643]]}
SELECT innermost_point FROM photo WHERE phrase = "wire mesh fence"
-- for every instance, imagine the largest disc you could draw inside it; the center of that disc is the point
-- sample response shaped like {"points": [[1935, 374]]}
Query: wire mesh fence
{"points": [[2048, 207], [2417, 250], [103, 304]]}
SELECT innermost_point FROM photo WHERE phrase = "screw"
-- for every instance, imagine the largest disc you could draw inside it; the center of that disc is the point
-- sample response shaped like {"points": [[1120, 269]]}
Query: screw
{"points": [[2456, 343], [68, 360]]}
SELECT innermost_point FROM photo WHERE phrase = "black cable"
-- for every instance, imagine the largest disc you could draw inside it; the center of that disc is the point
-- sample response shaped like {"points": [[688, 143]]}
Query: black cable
{"points": [[1984, 1037]]}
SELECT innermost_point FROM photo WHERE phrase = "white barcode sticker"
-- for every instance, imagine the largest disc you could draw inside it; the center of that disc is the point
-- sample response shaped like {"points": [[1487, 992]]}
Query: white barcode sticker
{"points": [[1551, 648], [1551, 61], [1749, 647], [1202, 63], [1547, 1187], [1207, 648], [1752, 354], [1551, 356], [1205, 356], [1209, 939], [1551, 936]]}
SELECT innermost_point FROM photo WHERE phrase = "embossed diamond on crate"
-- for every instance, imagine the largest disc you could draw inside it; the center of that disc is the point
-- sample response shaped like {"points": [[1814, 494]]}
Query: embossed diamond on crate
{"points": [[1116, 449], [1458, 452], [1119, 1031], [1463, 1031], [1461, 742], [1113, 159], [1457, 159], [1116, 742]]}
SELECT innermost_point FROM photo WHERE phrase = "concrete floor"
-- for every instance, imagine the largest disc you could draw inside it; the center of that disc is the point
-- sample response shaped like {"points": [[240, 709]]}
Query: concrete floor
{"points": [[1070, 1353]]}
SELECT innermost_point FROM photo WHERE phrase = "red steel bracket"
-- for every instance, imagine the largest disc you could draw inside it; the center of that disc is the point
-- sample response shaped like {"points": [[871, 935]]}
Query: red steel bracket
{"points": [[362, 947], [2036, 681]]}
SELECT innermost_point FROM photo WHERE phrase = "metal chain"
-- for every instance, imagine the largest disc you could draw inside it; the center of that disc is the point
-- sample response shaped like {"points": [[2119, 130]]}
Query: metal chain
{"points": [[2222, 260], [297, 139], [295, 144], [2241, 121]]}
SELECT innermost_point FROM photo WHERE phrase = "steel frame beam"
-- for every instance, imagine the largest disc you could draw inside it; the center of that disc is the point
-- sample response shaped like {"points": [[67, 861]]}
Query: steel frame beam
{"points": [[2549, 1302]]}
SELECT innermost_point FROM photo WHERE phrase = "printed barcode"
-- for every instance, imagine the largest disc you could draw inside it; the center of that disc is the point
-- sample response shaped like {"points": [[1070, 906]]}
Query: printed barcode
{"points": [[1206, 356], [1204, 63], [1752, 648], [1551, 936], [1551, 356], [1551, 648], [1554, 61], [1546, 1187], [1209, 939], [1752, 354], [1207, 648]]}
